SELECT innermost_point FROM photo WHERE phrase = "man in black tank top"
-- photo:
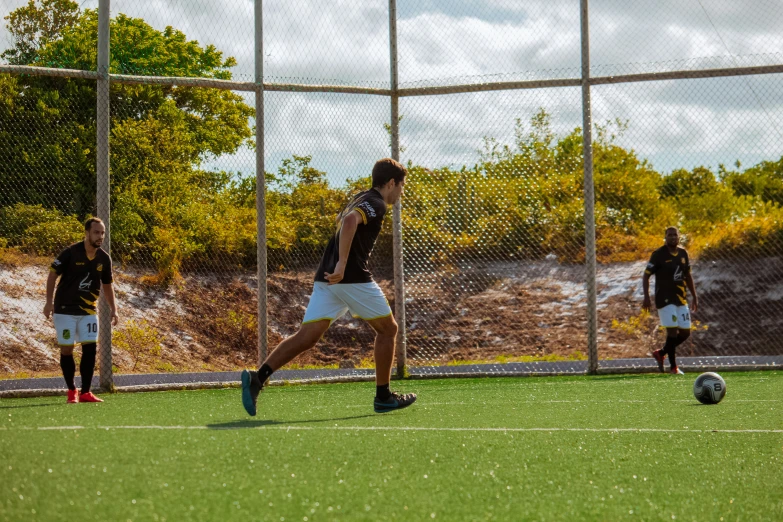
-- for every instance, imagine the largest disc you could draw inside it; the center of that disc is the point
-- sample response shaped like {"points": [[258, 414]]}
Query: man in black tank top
{"points": [[343, 284]]}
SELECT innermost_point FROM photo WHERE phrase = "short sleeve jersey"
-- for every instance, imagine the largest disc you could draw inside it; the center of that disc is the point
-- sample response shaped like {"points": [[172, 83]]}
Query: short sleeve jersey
{"points": [[670, 271], [372, 208], [81, 279]]}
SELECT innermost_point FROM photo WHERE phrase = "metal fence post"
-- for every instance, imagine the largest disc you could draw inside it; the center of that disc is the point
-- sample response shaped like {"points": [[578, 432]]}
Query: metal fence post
{"points": [[260, 183], [589, 191], [103, 188], [399, 274]]}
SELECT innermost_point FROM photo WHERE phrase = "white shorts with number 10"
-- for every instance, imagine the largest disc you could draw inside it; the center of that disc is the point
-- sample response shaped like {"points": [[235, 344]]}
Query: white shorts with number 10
{"points": [[673, 316], [75, 329]]}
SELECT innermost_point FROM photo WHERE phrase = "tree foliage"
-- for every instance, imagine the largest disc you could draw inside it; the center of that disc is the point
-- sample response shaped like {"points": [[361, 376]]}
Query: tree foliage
{"points": [[523, 200]]}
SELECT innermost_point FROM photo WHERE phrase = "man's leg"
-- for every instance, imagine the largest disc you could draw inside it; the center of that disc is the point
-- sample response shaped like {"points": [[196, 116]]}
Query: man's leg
{"points": [[87, 369], [68, 366], [669, 321], [65, 326], [87, 365], [306, 338], [88, 335], [670, 347], [385, 338], [682, 336]]}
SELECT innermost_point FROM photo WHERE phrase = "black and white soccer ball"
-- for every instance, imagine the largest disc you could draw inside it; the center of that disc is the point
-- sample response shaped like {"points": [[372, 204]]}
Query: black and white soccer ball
{"points": [[709, 388]]}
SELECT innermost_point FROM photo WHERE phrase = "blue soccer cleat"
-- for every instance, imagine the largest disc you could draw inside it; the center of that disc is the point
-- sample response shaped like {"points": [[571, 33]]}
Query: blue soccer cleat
{"points": [[395, 401], [251, 387]]}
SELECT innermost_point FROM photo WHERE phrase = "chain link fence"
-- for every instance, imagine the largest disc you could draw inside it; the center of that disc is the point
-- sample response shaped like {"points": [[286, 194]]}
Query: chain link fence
{"points": [[687, 119], [493, 229], [714, 182]]}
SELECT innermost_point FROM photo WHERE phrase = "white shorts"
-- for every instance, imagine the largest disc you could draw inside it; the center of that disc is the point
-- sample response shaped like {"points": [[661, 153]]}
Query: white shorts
{"points": [[364, 300], [673, 316], [75, 329]]}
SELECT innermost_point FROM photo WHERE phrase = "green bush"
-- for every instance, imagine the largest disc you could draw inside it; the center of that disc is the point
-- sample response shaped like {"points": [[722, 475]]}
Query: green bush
{"points": [[140, 340], [757, 233], [37, 230]]}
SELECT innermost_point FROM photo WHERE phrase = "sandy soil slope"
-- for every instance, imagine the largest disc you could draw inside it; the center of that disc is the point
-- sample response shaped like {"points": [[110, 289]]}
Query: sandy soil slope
{"points": [[485, 312]]}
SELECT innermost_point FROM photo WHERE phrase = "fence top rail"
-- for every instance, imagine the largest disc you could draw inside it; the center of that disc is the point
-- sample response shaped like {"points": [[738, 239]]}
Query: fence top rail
{"points": [[48, 71], [404, 92], [687, 75], [489, 86]]}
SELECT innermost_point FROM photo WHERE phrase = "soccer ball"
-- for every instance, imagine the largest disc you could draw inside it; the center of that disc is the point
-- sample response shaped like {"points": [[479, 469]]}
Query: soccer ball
{"points": [[709, 388]]}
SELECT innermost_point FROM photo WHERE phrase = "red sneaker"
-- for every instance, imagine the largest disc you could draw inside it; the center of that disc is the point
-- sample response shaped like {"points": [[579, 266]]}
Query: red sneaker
{"points": [[677, 371], [73, 397], [658, 356], [89, 397]]}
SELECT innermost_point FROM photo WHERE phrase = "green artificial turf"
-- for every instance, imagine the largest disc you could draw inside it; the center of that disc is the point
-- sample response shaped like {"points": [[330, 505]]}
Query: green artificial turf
{"points": [[469, 449]]}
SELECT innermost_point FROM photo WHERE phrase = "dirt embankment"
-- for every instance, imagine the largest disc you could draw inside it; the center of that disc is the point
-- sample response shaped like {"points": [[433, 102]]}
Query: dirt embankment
{"points": [[492, 311]]}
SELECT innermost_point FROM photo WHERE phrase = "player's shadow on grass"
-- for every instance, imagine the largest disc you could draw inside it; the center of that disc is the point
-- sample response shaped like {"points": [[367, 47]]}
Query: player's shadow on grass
{"points": [[625, 376], [248, 424], [30, 405]]}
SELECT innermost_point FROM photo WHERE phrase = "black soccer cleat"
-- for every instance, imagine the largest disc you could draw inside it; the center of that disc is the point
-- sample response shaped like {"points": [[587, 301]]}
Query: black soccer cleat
{"points": [[395, 401], [251, 387]]}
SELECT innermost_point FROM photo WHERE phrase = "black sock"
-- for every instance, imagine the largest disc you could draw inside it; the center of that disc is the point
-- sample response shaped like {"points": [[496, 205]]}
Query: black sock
{"points": [[682, 336], [87, 365], [382, 392], [69, 370], [668, 349], [264, 373]]}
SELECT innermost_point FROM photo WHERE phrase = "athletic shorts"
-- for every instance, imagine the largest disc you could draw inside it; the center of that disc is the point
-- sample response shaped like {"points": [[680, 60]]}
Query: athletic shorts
{"points": [[75, 329], [673, 316], [364, 300]]}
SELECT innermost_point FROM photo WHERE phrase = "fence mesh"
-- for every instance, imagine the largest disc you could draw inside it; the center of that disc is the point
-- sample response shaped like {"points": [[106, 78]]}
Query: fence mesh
{"points": [[494, 227], [493, 214], [310, 179], [148, 39], [481, 42], [326, 43], [47, 168], [703, 159], [629, 38], [184, 227]]}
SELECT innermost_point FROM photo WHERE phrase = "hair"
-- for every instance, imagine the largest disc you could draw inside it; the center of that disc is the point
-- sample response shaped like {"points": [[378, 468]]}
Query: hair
{"points": [[89, 222], [671, 228], [387, 169]]}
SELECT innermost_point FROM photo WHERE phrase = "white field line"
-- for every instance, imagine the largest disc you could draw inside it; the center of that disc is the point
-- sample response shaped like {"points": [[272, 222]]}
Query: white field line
{"points": [[564, 401], [534, 401], [389, 428]]}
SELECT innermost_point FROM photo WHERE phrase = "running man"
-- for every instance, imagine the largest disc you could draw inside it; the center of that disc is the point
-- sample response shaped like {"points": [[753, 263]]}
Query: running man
{"points": [[85, 267], [343, 284], [672, 270]]}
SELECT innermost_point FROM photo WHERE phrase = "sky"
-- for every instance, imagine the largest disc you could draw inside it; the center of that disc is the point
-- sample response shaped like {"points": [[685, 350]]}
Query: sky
{"points": [[673, 124]]}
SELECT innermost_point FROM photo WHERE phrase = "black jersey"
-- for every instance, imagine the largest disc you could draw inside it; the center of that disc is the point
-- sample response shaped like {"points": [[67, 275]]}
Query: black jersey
{"points": [[371, 206], [670, 271], [81, 279]]}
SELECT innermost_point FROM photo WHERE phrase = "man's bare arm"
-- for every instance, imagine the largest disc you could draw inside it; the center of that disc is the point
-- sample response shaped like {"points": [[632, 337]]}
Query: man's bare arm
{"points": [[49, 306], [692, 288], [646, 304], [347, 232], [109, 293]]}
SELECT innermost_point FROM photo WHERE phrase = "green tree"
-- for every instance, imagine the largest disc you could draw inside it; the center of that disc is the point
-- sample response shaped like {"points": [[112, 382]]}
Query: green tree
{"points": [[36, 24], [161, 197], [764, 180]]}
